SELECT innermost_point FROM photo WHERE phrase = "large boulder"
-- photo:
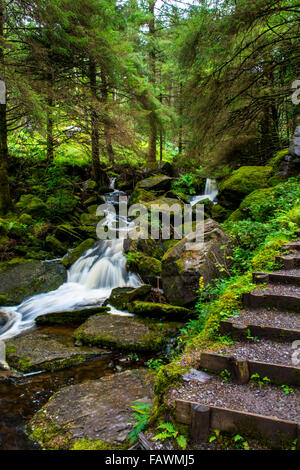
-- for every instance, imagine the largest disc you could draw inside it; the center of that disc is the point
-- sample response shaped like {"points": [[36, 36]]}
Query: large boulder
{"points": [[156, 183], [182, 269], [96, 414], [21, 279], [294, 149], [125, 333], [44, 351], [242, 182], [120, 297], [32, 205]]}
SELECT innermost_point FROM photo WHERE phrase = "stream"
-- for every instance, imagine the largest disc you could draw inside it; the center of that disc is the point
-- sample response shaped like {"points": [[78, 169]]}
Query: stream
{"points": [[89, 283]]}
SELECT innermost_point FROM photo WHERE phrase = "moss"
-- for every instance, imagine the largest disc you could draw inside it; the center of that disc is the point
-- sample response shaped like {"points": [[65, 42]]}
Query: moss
{"points": [[55, 246], [87, 444], [156, 309], [219, 213], [50, 437], [26, 219], [77, 252], [147, 267], [277, 159], [4, 300], [264, 259], [73, 317], [32, 205], [247, 179], [139, 196]]}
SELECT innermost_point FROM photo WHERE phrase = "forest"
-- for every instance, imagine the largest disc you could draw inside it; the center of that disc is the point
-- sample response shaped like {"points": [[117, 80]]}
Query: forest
{"points": [[181, 108]]}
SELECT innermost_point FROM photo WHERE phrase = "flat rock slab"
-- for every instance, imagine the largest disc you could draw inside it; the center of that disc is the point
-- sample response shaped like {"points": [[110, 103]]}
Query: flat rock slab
{"points": [[125, 333], [43, 351], [96, 413], [72, 317], [152, 309], [194, 375]]}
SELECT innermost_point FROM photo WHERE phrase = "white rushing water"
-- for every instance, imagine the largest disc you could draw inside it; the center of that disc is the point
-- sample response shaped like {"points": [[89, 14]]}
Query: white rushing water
{"points": [[210, 192], [90, 282]]}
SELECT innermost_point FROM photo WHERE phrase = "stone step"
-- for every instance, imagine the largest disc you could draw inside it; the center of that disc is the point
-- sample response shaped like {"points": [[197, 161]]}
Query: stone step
{"points": [[294, 246], [252, 331], [281, 297], [289, 261], [203, 418], [240, 364], [279, 277]]}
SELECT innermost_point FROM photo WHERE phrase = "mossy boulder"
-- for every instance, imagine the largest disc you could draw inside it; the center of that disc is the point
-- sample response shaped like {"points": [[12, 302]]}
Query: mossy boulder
{"points": [[182, 268], [243, 181], [151, 309], [165, 205], [149, 247], [67, 233], [32, 205], [96, 414], [26, 219], [20, 279], [147, 267], [73, 255], [72, 317], [120, 297], [44, 351], [219, 213], [125, 333], [89, 219], [55, 246], [156, 183], [139, 196]]}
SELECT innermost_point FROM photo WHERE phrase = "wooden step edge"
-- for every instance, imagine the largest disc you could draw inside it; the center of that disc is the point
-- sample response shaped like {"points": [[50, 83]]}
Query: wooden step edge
{"points": [[242, 369], [203, 418], [280, 302], [275, 278], [292, 246], [238, 331], [288, 263]]}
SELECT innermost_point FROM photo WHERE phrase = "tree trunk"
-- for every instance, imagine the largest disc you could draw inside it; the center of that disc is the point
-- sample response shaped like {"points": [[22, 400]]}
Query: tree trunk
{"points": [[106, 124], [96, 169], [180, 146], [151, 157], [50, 139], [5, 200]]}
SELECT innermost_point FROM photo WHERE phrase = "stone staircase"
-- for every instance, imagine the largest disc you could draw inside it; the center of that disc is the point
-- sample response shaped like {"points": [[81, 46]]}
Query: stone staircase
{"points": [[255, 388]]}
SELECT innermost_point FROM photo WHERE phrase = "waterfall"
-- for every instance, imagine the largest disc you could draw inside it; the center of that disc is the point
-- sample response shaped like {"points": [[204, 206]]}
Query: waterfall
{"points": [[90, 282], [210, 192]]}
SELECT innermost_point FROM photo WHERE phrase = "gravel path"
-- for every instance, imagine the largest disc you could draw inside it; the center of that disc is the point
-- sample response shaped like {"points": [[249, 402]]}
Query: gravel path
{"points": [[265, 350], [267, 400], [272, 318], [280, 289]]}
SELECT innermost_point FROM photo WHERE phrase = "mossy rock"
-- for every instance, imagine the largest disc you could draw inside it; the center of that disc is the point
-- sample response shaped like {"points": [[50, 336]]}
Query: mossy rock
{"points": [[76, 253], [89, 219], [156, 183], [166, 205], [149, 309], [125, 333], [86, 231], [90, 185], [219, 213], [149, 247], [120, 297], [20, 278], [102, 422], [72, 317], [139, 196], [26, 219], [243, 181], [147, 267], [67, 233], [32, 205], [43, 351], [55, 246]]}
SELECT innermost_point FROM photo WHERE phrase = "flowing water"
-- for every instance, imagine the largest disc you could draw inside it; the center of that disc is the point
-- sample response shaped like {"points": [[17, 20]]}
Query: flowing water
{"points": [[89, 283], [210, 192]]}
